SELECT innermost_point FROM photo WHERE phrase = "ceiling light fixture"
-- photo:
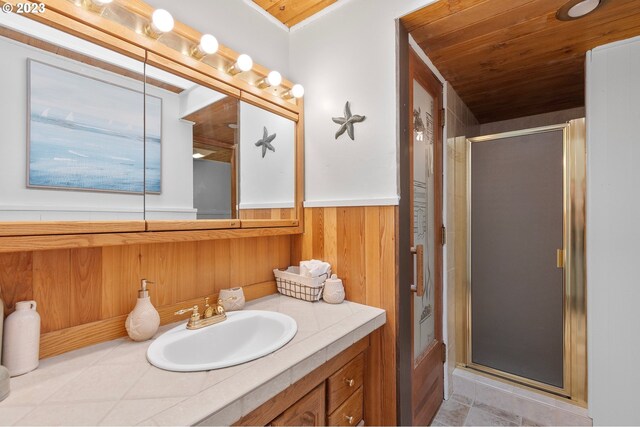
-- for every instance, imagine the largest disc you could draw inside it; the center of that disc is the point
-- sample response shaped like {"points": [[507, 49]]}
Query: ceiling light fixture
{"points": [[198, 155], [575, 9], [273, 79], [243, 63], [161, 22], [297, 91], [96, 5], [208, 46]]}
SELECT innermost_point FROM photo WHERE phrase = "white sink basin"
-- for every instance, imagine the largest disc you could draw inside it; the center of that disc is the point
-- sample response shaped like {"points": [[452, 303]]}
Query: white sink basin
{"points": [[244, 336]]}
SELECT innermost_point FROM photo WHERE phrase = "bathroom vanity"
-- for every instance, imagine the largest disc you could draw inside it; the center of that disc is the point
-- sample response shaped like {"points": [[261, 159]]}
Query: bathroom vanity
{"points": [[316, 379]]}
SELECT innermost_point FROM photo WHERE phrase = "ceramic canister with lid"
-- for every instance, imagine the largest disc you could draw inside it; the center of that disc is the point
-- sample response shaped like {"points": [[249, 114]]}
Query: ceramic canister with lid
{"points": [[21, 341], [333, 290]]}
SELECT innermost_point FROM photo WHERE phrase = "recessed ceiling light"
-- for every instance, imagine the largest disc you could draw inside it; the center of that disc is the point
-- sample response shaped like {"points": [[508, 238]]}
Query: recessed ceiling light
{"points": [[575, 9]]}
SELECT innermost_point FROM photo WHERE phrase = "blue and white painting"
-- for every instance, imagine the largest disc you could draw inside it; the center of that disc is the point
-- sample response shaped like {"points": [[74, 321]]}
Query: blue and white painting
{"points": [[88, 134]]}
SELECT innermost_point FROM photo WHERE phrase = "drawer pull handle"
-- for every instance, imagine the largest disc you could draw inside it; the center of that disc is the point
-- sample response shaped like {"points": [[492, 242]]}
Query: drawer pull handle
{"points": [[349, 419], [350, 383]]}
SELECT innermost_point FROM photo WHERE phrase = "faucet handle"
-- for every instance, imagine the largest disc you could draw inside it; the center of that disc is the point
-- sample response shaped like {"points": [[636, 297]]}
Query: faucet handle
{"points": [[194, 309]]}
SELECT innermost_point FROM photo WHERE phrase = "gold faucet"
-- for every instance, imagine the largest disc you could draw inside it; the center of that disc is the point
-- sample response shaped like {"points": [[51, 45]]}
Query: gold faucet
{"points": [[210, 316]]}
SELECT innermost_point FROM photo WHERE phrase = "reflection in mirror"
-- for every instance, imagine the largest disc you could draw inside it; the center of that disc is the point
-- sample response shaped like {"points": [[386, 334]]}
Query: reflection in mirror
{"points": [[72, 118], [194, 176], [267, 164]]}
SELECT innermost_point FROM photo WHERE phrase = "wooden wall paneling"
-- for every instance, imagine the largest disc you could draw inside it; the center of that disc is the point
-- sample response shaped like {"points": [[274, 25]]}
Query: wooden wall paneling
{"points": [[63, 340], [185, 277], [360, 244], [52, 288], [238, 274], [222, 275], [16, 279], [85, 276], [351, 252], [121, 274], [206, 265]]}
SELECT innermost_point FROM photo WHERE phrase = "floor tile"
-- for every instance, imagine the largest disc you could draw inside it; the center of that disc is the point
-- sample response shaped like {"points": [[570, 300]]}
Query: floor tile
{"points": [[478, 417], [465, 400], [451, 413], [498, 412]]}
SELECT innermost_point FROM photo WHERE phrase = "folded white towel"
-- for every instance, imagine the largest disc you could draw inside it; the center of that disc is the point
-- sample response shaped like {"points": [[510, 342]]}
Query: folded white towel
{"points": [[314, 268]]}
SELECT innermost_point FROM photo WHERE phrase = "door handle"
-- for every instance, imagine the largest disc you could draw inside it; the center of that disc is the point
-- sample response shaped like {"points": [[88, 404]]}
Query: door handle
{"points": [[418, 251], [560, 258]]}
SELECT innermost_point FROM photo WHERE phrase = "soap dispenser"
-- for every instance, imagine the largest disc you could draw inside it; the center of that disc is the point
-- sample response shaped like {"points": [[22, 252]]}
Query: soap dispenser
{"points": [[143, 322]]}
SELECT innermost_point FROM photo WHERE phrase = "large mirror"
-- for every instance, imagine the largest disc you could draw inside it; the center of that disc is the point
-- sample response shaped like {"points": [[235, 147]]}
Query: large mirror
{"points": [[191, 168], [92, 135], [219, 158], [72, 120], [267, 164]]}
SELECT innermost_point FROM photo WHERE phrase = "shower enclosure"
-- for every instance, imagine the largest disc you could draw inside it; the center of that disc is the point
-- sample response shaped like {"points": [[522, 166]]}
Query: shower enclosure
{"points": [[525, 308]]}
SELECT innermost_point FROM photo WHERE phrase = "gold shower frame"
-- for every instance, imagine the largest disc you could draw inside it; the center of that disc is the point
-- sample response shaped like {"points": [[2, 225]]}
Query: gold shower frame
{"points": [[574, 316]]}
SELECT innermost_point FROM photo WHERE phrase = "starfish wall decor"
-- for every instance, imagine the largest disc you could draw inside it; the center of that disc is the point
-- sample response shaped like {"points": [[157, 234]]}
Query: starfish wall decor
{"points": [[346, 122], [265, 142]]}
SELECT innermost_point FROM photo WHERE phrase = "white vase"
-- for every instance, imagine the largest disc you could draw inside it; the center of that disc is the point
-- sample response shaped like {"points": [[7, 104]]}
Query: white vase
{"points": [[333, 292], [21, 343], [232, 299]]}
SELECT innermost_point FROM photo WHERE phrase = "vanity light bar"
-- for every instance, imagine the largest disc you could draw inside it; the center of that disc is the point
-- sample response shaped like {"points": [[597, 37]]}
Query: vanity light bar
{"points": [[162, 22], [208, 46], [297, 91], [273, 79], [96, 5], [242, 64]]}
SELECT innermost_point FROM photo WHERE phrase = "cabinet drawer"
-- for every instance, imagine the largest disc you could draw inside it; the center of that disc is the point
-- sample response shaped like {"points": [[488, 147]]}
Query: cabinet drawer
{"points": [[350, 412], [308, 411], [344, 382]]}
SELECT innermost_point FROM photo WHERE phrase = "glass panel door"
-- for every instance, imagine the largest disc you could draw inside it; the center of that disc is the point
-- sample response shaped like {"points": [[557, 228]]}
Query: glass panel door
{"points": [[423, 219]]}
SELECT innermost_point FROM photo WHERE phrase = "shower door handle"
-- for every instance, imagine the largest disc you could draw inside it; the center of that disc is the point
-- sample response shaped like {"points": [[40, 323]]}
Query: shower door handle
{"points": [[560, 258], [418, 288]]}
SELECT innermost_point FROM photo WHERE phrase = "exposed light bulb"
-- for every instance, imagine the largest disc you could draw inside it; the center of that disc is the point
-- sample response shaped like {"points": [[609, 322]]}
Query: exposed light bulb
{"points": [[297, 91], [274, 78], [208, 46], [243, 63], [161, 22]]}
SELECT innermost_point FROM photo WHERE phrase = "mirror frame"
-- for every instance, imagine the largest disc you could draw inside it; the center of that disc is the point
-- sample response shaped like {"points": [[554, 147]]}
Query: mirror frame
{"points": [[80, 22]]}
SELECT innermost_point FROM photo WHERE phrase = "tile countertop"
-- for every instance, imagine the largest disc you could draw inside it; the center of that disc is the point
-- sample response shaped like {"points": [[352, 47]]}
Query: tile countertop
{"points": [[113, 384]]}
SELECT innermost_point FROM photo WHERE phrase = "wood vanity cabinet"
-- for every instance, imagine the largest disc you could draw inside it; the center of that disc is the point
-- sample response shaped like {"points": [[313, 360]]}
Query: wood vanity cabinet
{"points": [[308, 411], [333, 394]]}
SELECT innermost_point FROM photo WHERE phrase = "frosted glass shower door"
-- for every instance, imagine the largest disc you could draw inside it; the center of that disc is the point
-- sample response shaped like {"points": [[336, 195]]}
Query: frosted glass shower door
{"points": [[516, 253]]}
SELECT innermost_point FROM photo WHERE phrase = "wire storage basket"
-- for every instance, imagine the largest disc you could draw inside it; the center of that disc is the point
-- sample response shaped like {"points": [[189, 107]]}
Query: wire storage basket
{"points": [[291, 283]]}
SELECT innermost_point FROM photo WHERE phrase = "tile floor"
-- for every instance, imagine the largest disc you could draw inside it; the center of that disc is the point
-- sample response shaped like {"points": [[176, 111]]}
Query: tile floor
{"points": [[462, 411]]}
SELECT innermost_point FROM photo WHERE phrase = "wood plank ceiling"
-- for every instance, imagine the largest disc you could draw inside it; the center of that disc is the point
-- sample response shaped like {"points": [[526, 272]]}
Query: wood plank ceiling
{"points": [[292, 12], [513, 58]]}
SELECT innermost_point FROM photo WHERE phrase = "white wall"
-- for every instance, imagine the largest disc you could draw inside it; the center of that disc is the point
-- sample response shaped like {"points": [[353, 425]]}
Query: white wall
{"points": [[212, 201], [236, 25], [17, 202], [266, 182], [613, 232], [176, 198], [350, 55]]}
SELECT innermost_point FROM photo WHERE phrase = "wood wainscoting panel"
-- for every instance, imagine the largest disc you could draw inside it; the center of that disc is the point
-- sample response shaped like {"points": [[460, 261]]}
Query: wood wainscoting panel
{"points": [[360, 244], [85, 294], [16, 279]]}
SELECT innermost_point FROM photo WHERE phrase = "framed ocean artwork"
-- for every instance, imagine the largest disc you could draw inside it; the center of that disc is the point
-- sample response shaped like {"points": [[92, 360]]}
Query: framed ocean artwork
{"points": [[89, 134]]}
